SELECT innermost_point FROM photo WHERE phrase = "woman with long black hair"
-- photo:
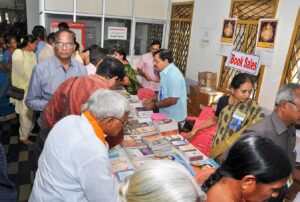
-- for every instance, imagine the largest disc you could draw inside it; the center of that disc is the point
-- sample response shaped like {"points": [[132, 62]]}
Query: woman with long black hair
{"points": [[254, 170]]}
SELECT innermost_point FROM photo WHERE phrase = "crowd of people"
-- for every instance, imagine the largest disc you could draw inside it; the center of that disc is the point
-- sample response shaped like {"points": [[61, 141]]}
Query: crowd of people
{"points": [[69, 97]]}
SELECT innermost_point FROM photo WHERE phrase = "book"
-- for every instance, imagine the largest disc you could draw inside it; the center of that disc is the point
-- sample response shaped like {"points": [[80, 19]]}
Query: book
{"points": [[134, 143], [179, 142], [116, 160], [119, 167], [193, 155], [123, 174], [139, 153], [188, 147], [176, 157], [143, 112], [174, 137]]}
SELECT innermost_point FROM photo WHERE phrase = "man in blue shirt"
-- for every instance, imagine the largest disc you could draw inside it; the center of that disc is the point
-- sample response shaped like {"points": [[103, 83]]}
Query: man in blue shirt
{"points": [[49, 74], [40, 33], [172, 95]]}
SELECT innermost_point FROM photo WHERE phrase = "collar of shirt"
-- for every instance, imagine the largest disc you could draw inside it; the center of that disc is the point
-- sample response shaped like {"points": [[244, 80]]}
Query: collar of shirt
{"points": [[59, 65], [278, 123], [97, 129], [167, 69]]}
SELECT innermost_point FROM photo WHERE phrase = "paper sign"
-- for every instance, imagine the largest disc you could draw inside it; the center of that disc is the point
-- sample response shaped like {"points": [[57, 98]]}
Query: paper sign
{"points": [[228, 30], [244, 62], [117, 33]]}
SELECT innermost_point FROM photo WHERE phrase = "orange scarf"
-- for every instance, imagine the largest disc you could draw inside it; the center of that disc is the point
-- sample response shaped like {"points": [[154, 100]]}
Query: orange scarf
{"points": [[98, 130]]}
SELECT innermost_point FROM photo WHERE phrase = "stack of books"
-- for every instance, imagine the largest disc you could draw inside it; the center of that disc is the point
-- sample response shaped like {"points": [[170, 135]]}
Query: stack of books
{"points": [[166, 127], [157, 143], [143, 114]]}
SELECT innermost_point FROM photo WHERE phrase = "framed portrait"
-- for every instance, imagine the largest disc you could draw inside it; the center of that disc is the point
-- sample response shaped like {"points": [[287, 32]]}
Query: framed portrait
{"points": [[266, 33], [228, 30]]}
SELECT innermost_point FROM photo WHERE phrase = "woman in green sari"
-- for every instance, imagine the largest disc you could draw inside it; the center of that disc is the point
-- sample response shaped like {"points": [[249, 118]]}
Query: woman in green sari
{"points": [[133, 84]]}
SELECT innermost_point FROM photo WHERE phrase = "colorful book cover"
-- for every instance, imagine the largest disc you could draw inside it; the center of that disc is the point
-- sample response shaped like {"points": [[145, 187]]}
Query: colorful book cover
{"points": [[188, 147], [123, 174]]}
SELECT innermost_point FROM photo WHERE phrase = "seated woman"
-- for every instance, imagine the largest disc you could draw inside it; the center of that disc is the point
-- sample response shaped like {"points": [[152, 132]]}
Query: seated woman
{"points": [[234, 113], [254, 170], [161, 181], [132, 85]]}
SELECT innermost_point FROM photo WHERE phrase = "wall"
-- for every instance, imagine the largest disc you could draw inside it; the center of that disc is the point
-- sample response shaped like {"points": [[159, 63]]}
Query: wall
{"points": [[207, 20], [32, 12], [286, 13]]}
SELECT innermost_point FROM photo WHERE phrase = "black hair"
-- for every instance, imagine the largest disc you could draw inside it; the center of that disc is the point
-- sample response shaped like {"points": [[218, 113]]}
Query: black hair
{"points": [[64, 25], [165, 54], [253, 155], [65, 30], [96, 53], [9, 38], [240, 79], [27, 39], [51, 37], [77, 46], [156, 42], [122, 52], [111, 67], [39, 32]]}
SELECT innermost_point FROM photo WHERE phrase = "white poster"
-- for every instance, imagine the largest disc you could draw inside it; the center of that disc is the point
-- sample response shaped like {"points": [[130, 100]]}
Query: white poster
{"points": [[244, 62], [117, 33]]}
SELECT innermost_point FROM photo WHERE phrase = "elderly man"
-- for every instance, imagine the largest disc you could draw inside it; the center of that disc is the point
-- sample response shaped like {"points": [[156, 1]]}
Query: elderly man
{"points": [[70, 95], [49, 74], [172, 93], [280, 125], [74, 165]]}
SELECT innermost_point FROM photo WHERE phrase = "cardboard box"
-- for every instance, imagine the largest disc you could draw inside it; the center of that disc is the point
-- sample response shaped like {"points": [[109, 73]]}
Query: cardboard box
{"points": [[207, 79]]}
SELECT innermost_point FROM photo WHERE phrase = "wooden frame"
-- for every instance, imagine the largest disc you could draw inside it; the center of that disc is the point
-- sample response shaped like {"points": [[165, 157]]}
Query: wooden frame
{"points": [[290, 51]]}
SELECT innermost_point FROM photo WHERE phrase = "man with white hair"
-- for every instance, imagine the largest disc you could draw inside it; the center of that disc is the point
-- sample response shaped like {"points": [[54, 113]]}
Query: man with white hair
{"points": [[74, 165], [280, 125]]}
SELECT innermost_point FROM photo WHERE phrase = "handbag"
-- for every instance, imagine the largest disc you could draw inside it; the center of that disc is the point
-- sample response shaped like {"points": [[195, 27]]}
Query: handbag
{"points": [[16, 93]]}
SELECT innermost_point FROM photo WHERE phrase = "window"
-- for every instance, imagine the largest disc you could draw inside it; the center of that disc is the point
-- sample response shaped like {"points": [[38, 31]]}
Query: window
{"points": [[248, 13], [92, 30], [145, 33], [57, 17], [111, 44]]}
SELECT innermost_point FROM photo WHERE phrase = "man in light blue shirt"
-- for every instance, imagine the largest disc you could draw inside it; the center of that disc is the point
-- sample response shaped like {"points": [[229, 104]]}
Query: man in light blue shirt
{"points": [[172, 97], [49, 74], [40, 33]]}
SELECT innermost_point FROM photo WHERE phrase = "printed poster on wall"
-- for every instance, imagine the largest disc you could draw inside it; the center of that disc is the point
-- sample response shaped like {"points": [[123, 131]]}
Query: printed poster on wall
{"points": [[228, 30], [244, 62], [117, 33], [77, 27], [266, 33]]}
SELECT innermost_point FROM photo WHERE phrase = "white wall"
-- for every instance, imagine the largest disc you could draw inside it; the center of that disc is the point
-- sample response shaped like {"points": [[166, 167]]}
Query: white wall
{"points": [[32, 12], [286, 13], [208, 17]]}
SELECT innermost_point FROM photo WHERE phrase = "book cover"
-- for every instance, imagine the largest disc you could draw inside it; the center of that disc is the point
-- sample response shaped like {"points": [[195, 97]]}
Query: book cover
{"points": [[134, 143], [193, 155], [179, 142], [123, 174], [188, 147]]}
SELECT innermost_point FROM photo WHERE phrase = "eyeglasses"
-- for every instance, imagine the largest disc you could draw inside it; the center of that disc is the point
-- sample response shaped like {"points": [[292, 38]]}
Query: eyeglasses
{"points": [[157, 61], [62, 44], [124, 123], [293, 104]]}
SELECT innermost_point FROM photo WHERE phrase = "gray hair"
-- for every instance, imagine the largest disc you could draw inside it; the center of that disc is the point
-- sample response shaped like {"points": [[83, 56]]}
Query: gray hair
{"points": [[106, 103], [286, 92], [161, 181]]}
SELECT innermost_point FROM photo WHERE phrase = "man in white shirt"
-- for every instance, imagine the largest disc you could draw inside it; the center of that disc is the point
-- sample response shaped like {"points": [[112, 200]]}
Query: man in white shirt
{"points": [[74, 165]]}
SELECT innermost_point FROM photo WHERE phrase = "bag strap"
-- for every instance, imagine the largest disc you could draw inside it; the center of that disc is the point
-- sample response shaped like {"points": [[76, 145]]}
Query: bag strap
{"points": [[68, 96]]}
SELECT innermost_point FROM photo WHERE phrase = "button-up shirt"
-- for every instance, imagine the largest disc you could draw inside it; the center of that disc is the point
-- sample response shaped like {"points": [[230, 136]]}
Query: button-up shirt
{"points": [[272, 127], [74, 165], [172, 85], [45, 79], [146, 64]]}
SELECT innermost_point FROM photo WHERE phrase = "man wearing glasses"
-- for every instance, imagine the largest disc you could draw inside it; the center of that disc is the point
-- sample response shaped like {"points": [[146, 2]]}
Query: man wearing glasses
{"points": [[280, 125], [74, 165], [49, 74]]}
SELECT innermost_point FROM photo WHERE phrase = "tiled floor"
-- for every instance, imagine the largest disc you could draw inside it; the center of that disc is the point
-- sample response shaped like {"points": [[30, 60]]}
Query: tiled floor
{"points": [[20, 158]]}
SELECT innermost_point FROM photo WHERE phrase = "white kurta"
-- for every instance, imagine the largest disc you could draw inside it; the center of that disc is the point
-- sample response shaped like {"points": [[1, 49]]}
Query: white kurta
{"points": [[74, 165]]}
